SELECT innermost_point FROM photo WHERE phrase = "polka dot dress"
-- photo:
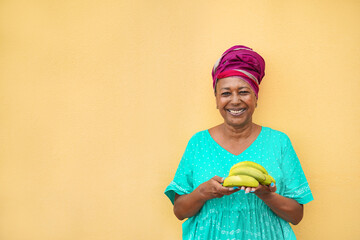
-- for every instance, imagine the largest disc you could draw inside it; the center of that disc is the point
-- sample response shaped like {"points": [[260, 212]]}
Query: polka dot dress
{"points": [[239, 216]]}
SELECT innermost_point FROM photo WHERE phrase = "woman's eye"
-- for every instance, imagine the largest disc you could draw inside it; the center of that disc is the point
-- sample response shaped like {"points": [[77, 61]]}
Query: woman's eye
{"points": [[244, 92], [225, 93]]}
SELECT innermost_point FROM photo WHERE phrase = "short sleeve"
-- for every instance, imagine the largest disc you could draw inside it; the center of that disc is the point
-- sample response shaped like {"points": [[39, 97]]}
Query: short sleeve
{"points": [[296, 185], [183, 179]]}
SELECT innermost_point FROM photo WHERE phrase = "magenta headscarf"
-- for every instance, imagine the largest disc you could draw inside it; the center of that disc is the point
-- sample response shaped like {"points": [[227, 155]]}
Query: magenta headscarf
{"points": [[243, 62]]}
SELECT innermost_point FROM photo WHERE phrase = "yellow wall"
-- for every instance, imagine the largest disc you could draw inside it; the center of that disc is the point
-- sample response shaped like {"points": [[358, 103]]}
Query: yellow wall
{"points": [[99, 98]]}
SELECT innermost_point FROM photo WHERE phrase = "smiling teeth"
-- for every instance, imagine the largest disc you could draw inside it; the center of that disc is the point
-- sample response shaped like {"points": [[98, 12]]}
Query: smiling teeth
{"points": [[236, 112]]}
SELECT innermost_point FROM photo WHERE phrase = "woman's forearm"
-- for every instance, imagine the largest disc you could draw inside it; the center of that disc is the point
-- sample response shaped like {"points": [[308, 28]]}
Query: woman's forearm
{"points": [[286, 208], [188, 205]]}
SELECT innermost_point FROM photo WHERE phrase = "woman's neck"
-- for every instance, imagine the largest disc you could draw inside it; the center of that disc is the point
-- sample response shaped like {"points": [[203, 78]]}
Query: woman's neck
{"points": [[238, 133]]}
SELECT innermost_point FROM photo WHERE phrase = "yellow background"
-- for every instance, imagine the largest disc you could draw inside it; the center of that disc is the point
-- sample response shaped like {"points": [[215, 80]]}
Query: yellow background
{"points": [[99, 98]]}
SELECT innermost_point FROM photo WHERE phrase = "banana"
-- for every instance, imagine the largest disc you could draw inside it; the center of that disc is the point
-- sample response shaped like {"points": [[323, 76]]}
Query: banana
{"points": [[267, 181], [239, 181], [272, 179], [250, 164], [248, 171]]}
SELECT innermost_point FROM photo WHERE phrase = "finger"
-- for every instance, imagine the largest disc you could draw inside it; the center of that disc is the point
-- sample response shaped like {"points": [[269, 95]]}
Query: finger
{"points": [[272, 187], [252, 189], [242, 188], [225, 190], [230, 190], [218, 179], [258, 187], [247, 190]]}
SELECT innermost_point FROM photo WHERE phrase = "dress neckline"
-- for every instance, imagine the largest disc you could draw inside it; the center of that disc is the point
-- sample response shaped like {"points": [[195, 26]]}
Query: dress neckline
{"points": [[223, 149]]}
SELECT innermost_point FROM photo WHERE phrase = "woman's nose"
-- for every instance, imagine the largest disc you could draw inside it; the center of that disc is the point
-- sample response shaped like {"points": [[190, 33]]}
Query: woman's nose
{"points": [[236, 99]]}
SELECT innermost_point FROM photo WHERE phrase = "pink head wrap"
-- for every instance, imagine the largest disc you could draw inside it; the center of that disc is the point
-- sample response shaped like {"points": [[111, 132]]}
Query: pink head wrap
{"points": [[243, 62]]}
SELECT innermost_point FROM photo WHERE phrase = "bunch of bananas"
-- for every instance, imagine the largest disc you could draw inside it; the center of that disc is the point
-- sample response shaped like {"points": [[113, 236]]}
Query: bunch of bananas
{"points": [[248, 174]]}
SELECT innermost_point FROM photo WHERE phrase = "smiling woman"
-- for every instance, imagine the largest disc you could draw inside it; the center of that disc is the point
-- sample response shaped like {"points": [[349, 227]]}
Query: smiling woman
{"points": [[218, 212], [235, 100]]}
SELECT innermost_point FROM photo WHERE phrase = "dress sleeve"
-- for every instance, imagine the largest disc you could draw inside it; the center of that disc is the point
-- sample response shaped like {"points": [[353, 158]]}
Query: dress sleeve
{"points": [[183, 180], [296, 185]]}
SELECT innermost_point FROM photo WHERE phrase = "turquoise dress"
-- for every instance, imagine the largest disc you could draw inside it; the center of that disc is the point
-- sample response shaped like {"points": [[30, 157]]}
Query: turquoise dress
{"points": [[239, 216]]}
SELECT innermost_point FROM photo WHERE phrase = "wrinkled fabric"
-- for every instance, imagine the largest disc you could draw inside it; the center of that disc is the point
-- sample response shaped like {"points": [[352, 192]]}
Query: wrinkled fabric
{"points": [[243, 62], [239, 216]]}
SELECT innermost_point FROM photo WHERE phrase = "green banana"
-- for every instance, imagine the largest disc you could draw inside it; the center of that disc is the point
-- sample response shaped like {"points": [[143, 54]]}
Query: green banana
{"points": [[239, 181], [248, 171], [250, 164]]}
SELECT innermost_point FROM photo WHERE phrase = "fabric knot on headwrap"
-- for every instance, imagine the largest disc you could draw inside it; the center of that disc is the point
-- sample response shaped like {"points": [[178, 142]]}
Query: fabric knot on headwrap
{"points": [[243, 62]]}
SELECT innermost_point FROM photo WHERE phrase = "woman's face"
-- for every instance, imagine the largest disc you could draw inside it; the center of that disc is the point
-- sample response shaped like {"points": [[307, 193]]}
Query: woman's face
{"points": [[235, 100]]}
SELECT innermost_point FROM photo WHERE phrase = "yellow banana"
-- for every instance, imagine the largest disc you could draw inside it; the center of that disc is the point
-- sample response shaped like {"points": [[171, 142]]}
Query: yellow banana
{"points": [[269, 179], [272, 179], [250, 164], [248, 171], [239, 181]]}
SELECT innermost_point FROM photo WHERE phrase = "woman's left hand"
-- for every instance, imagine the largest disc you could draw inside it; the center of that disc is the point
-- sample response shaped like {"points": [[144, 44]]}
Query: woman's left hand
{"points": [[286, 208]]}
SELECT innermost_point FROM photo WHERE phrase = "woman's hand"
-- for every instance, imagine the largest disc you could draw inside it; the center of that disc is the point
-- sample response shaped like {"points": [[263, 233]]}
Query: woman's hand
{"points": [[286, 208], [188, 205], [214, 189], [261, 189]]}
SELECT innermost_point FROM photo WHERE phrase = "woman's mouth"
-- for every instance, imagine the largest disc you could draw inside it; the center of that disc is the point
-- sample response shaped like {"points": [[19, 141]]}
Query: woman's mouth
{"points": [[236, 112]]}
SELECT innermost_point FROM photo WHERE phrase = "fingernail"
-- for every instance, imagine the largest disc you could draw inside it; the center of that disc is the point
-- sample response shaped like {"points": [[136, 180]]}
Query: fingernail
{"points": [[223, 179], [252, 191], [272, 184], [231, 189]]}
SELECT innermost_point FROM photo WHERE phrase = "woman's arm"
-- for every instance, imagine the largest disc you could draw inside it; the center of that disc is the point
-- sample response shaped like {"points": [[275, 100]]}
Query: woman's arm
{"points": [[286, 208], [188, 205]]}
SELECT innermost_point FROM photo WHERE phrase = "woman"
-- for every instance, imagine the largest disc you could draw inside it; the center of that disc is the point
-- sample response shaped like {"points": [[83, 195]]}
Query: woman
{"points": [[218, 212]]}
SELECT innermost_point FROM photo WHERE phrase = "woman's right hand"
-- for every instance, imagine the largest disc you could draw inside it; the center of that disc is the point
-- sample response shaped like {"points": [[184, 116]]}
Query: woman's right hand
{"points": [[213, 188], [188, 205]]}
